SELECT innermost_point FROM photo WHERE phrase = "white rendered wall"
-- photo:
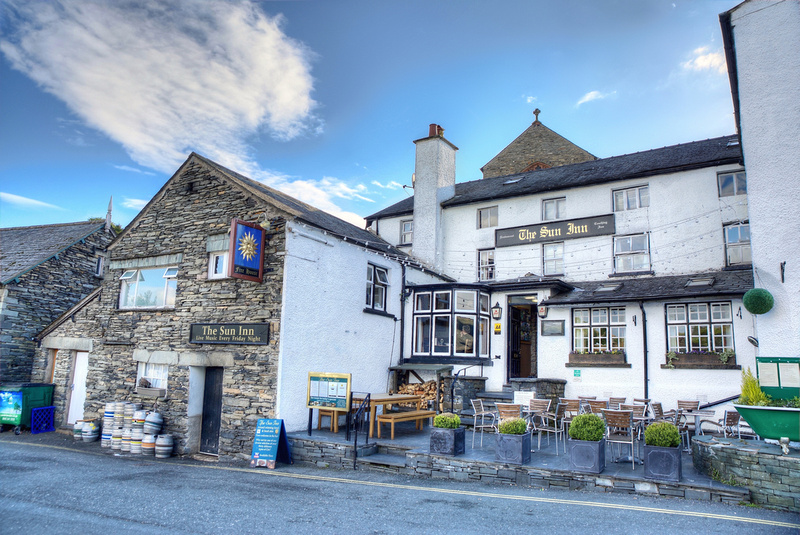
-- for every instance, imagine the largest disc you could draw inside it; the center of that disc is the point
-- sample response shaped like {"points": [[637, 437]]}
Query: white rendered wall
{"points": [[324, 327], [767, 45]]}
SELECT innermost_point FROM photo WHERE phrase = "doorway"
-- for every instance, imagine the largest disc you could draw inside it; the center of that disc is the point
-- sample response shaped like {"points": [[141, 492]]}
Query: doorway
{"points": [[212, 411], [77, 396], [521, 342]]}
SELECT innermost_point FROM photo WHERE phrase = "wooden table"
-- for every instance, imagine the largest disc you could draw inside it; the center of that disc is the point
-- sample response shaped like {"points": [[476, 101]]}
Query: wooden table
{"points": [[386, 400]]}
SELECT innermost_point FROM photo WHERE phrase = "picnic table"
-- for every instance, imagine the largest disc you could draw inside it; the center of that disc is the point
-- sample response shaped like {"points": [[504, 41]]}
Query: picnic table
{"points": [[386, 400]]}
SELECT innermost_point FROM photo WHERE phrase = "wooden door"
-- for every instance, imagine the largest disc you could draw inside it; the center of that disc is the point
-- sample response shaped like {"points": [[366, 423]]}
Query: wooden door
{"points": [[513, 342], [212, 411], [77, 396]]}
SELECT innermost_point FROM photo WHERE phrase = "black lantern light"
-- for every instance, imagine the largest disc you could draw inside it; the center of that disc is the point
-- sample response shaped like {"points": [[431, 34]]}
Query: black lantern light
{"points": [[497, 311]]}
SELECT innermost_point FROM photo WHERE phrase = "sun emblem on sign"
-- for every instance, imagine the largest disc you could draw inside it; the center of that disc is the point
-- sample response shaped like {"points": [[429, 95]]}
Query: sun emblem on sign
{"points": [[247, 246]]}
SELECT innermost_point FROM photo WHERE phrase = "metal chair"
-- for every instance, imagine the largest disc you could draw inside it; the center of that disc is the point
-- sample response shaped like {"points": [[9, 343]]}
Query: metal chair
{"points": [[507, 411], [572, 409], [597, 406], [536, 408], [729, 424], [484, 414], [553, 423], [620, 429], [685, 424], [614, 403]]}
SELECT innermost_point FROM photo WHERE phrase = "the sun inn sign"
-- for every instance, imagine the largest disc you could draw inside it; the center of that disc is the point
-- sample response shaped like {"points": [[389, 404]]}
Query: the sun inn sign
{"points": [[555, 231], [229, 333]]}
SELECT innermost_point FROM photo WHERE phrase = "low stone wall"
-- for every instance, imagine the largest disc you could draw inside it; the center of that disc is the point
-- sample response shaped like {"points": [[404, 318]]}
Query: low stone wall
{"points": [[420, 464], [773, 478], [544, 388], [465, 389]]}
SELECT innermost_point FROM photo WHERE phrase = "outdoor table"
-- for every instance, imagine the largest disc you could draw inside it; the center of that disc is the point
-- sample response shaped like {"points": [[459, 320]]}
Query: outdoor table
{"points": [[698, 414], [386, 400]]}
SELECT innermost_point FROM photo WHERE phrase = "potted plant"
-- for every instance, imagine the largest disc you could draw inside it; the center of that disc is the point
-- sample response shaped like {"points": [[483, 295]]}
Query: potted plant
{"points": [[447, 437], [513, 442], [662, 452], [587, 444], [769, 418]]}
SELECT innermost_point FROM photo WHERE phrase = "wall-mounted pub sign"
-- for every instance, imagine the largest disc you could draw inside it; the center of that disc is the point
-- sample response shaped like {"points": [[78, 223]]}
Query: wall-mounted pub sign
{"points": [[555, 231], [246, 253], [229, 333]]}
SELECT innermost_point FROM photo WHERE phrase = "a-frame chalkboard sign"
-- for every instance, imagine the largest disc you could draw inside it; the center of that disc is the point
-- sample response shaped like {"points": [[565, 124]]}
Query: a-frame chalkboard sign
{"points": [[270, 444]]}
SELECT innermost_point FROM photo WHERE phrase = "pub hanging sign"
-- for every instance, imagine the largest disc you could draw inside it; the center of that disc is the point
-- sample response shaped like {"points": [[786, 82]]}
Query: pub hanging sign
{"points": [[555, 231], [246, 251]]}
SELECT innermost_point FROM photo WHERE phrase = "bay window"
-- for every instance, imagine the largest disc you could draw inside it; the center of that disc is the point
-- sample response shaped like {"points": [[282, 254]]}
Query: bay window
{"points": [[451, 323]]}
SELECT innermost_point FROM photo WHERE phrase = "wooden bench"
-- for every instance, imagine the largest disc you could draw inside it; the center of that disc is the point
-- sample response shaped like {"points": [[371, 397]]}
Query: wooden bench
{"points": [[394, 417]]}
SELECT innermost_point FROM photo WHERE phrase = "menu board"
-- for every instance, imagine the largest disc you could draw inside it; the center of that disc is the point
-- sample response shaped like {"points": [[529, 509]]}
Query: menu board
{"points": [[329, 390], [270, 444]]}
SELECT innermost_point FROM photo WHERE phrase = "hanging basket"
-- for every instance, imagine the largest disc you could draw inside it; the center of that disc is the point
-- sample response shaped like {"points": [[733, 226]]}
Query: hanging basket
{"points": [[758, 301]]}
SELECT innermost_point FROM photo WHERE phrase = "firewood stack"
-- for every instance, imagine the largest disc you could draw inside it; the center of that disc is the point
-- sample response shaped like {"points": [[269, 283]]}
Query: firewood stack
{"points": [[427, 390]]}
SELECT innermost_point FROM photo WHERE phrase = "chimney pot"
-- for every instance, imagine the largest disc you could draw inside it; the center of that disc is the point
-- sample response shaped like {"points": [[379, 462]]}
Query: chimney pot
{"points": [[435, 130]]}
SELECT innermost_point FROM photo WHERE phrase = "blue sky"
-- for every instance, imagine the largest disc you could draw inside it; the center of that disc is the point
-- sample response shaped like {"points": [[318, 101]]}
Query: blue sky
{"points": [[322, 99]]}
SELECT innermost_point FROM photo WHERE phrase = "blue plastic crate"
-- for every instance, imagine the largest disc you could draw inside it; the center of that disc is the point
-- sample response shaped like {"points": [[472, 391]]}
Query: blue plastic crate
{"points": [[42, 420]]}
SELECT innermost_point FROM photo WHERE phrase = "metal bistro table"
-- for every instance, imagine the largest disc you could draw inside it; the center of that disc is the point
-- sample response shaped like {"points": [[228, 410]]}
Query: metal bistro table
{"points": [[385, 400]]}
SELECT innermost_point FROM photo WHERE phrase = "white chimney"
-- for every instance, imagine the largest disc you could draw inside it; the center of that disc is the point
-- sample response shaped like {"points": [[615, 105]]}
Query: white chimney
{"points": [[435, 182]]}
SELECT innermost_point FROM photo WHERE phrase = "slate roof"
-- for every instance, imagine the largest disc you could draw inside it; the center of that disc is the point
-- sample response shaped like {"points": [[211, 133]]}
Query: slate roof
{"points": [[24, 248], [675, 158], [725, 283]]}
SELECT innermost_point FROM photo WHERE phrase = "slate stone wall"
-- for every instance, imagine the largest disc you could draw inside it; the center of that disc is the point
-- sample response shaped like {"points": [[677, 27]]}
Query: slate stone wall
{"points": [[192, 207], [42, 295]]}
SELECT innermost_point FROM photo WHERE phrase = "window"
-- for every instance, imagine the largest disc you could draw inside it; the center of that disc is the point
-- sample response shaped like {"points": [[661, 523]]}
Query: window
{"points": [[487, 217], [377, 284], [152, 375], [598, 330], [406, 231], [732, 184], [99, 262], [554, 209], [553, 258], [631, 253], [148, 288], [457, 323], [486, 265], [699, 327], [631, 198], [737, 244], [218, 265]]}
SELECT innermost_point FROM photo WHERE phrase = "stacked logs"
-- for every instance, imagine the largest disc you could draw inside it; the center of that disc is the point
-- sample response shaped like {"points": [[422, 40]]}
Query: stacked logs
{"points": [[427, 390]]}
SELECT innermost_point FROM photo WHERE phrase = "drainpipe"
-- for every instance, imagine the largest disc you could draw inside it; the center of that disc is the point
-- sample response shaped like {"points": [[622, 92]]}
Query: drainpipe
{"points": [[644, 348], [403, 298]]}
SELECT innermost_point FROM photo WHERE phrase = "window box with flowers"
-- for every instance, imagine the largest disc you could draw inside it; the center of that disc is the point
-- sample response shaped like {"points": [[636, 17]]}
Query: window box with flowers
{"points": [[605, 359], [701, 360]]}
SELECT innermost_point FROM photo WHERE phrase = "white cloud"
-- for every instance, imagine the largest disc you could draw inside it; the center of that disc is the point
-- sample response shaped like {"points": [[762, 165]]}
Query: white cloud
{"points": [[166, 77], [389, 185], [132, 169], [136, 204], [529, 99], [703, 60], [25, 202], [594, 95]]}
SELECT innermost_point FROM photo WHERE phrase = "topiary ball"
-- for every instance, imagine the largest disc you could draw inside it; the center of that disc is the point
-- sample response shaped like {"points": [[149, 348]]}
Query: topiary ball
{"points": [[758, 301]]}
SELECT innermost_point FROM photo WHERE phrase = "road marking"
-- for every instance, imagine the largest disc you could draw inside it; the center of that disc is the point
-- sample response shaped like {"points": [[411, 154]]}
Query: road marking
{"points": [[516, 497]]}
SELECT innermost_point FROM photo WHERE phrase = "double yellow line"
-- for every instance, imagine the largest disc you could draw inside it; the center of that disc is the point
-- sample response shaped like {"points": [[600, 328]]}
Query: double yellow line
{"points": [[516, 497]]}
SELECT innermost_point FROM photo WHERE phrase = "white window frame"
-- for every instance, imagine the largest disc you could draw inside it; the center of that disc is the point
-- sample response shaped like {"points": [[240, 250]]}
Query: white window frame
{"points": [[462, 340], [442, 301], [377, 287], [626, 253], [737, 249], [419, 302], [553, 258], [487, 217], [633, 198], [157, 374], [457, 307], [736, 186], [559, 205], [406, 231], [99, 264], [447, 342], [469, 299], [598, 329], [130, 282], [486, 265], [706, 326], [218, 265]]}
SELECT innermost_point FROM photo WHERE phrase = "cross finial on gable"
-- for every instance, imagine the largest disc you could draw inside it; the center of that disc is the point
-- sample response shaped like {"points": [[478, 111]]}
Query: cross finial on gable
{"points": [[536, 112]]}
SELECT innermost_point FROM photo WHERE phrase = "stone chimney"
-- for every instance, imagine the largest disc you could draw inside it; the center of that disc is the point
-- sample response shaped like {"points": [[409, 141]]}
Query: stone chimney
{"points": [[435, 182]]}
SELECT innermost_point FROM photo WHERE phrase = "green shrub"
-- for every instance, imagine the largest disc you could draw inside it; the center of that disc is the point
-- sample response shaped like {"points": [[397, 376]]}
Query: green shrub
{"points": [[446, 420], [514, 426], [758, 301], [663, 434], [751, 391], [587, 427]]}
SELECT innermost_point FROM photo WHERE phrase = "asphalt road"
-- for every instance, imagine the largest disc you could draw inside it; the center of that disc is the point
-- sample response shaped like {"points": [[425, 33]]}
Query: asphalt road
{"points": [[47, 488]]}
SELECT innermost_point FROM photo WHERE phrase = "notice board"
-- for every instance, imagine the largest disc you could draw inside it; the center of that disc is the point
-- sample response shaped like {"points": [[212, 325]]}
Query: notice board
{"points": [[329, 391], [270, 444]]}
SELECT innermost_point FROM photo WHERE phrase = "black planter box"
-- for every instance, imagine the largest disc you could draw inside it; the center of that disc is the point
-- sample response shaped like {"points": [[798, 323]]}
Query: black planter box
{"points": [[662, 463], [448, 441], [512, 449], [587, 456]]}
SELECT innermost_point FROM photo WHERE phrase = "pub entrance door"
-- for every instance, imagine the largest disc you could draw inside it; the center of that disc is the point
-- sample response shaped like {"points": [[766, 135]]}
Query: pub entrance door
{"points": [[521, 340], [212, 411]]}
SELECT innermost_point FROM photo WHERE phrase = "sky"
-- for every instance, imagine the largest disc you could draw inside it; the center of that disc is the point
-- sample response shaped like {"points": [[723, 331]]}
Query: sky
{"points": [[323, 99]]}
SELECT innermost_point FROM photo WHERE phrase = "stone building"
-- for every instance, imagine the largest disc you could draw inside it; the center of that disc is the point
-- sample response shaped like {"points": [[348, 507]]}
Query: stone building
{"points": [[174, 327], [44, 270], [537, 147]]}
